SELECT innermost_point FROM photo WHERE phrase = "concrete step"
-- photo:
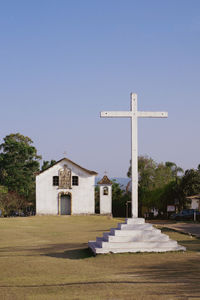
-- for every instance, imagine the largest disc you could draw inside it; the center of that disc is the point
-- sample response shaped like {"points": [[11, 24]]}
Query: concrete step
{"points": [[135, 221], [99, 250], [118, 232], [136, 245], [124, 226], [149, 236]]}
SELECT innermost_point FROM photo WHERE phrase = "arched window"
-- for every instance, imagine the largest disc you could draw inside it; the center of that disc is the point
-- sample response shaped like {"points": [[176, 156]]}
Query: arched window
{"points": [[74, 180], [56, 180], [105, 190]]}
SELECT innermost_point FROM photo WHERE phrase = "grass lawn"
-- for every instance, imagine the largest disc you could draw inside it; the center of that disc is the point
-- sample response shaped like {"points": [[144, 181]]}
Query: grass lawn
{"points": [[47, 258]]}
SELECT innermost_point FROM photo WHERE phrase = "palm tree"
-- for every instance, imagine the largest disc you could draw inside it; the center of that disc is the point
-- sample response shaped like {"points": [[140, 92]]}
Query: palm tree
{"points": [[174, 169]]}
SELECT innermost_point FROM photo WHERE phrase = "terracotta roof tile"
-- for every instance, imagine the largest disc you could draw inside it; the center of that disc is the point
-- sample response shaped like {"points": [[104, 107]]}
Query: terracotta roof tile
{"points": [[105, 180]]}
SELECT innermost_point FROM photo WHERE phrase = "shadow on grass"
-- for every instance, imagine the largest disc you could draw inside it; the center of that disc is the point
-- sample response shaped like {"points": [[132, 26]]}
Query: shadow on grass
{"points": [[191, 245], [72, 254], [65, 250], [181, 277], [167, 229]]}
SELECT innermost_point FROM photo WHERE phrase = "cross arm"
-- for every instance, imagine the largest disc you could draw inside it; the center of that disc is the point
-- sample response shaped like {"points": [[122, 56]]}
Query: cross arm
{"points": [[115, 114], [147, 114]]}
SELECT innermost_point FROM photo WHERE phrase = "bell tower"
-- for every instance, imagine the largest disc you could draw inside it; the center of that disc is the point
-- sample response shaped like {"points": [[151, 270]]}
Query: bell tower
{"points": [[105, 196]]}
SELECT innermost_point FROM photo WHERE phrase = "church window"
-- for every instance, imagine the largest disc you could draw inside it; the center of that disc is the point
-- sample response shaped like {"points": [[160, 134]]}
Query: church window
{"points": [[74, 180], [105, 190], [56, 180]]}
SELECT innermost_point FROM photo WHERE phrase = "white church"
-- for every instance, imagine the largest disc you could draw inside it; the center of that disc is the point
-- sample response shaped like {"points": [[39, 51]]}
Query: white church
{"points": [[66, 188]]}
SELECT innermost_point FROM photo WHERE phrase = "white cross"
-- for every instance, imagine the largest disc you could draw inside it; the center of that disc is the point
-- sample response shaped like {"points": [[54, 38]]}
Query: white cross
{"points": [[134, 114]]}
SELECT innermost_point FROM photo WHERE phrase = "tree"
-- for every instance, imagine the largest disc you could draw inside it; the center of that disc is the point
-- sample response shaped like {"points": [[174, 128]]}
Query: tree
{"points": [[11, 202], [119, 199], [47, 164], [18, 164], [190, 183], [97, 198], [174, 169], [158, 183]]}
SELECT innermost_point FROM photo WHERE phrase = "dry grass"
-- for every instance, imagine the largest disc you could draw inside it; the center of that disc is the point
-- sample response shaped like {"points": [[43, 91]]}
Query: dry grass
{"points": [[47, 258]]}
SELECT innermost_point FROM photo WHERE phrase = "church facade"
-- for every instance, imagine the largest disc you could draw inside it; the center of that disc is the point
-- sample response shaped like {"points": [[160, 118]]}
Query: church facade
{"points": [[65, 189]]}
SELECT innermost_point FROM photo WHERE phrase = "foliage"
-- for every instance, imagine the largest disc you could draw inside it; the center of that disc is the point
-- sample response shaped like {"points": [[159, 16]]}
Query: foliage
{"points": [[3, 189], [175, 170], [18, 164], [119, 200], [97, 195], [190, 183], [11, 202], [158, 183], [151, 174], [47, 164]]}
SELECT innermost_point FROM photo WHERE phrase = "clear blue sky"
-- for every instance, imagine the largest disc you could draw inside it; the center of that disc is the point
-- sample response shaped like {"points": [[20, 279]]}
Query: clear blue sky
{"points": [[62, 62]]}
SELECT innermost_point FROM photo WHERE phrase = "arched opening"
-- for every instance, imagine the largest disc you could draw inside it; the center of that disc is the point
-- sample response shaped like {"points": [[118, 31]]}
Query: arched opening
{"points": [[64, 203], [105, 190]]}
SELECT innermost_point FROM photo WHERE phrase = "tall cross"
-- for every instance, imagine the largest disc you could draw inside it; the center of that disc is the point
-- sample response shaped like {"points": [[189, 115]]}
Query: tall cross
{"points": [[134, 114]]}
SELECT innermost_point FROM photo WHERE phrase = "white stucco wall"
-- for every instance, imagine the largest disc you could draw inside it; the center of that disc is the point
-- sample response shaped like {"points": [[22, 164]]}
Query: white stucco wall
{"points": [[195, 204], [106, 200], [82, 202]]}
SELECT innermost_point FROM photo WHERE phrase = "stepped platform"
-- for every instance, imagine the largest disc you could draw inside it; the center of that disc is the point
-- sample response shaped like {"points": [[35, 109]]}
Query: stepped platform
{"points": [[134, 236]]}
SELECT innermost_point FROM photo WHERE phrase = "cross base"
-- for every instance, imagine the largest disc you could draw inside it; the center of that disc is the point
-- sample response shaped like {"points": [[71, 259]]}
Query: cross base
{"points": [[134, 236]]}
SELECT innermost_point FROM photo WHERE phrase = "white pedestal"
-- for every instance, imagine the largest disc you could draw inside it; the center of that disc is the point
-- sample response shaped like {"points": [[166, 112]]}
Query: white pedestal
{"points": [[134, 236]]}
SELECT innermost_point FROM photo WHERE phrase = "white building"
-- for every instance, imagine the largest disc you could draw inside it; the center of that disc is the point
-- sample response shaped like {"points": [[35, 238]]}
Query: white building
{"points": [[105, 195], [65, 189], [194, 202]]}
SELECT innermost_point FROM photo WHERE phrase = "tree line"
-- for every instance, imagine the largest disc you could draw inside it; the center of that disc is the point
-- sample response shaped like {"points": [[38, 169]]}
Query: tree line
{"points": [[160, 184]]}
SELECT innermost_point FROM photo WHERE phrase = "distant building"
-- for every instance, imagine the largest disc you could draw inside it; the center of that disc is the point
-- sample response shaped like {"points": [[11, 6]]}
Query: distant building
{"points": [[194, 201], [65, 189]]}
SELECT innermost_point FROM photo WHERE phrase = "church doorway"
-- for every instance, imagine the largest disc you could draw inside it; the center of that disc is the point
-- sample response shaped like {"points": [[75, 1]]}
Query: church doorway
{"points": [[65, 204]]}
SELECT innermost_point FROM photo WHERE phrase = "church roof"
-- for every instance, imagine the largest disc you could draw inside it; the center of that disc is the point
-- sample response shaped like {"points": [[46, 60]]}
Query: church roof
{"points": [[194, 197], [70, 161], [105, 180]]}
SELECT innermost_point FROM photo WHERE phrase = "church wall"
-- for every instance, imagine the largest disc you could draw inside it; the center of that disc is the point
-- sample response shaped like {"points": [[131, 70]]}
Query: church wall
{"points": [[82, 195]]}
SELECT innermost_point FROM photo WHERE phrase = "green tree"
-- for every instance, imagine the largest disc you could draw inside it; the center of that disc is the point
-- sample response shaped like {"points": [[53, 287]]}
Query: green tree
{"points": [[119, 199], [158, 184], [190, 182], [97, 198], [18, 164], [12, 202], [47, 164], [175, 170]]}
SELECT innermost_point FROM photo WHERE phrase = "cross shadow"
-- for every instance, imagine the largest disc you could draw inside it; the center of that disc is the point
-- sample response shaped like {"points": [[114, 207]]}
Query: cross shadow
{"points": [[72, 254], [65, 250]]}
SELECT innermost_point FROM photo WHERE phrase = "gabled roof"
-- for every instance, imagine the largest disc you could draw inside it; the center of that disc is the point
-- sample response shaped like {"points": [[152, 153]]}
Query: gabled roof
{"points": [[73, 163], [194, 197], [105, 180]]}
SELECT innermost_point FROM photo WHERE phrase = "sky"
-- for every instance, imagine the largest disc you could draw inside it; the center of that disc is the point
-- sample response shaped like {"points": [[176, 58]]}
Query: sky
{"points": [[64, 61]]}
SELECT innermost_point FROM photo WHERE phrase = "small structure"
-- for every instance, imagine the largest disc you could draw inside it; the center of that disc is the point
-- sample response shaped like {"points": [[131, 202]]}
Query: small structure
{"points": [[105, 196], [65, 189], [194, 201]]}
